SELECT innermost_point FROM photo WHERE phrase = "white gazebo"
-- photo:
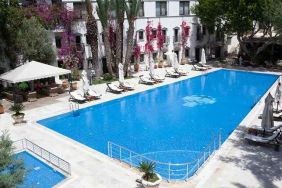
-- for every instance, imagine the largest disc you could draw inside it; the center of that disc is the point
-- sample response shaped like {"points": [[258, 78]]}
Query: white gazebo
{"points": [[32, 70]]}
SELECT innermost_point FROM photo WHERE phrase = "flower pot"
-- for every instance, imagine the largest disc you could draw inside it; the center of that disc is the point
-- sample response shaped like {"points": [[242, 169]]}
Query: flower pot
{"points": [[155, 184], [183, 61], [136, 67], [161, 64], [65, 84], [18, 118], [2, 109], [156, 66], [74, 85]]}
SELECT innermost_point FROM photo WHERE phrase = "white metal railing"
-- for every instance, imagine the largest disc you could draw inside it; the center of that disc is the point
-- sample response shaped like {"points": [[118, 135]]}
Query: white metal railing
{"points": [[169, 171], [27, 145]]}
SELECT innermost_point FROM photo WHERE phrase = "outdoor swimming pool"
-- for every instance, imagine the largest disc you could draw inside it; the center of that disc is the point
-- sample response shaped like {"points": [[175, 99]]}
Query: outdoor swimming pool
{"points": [[169, 124], [39, 174]]}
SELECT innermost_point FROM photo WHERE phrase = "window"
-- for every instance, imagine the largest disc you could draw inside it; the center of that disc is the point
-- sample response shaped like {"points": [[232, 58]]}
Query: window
{"points": [[141, 57], [77, 39], [141, 10], [58, 41], [154, 33], [154, 55], [161, 8], [199, 35], [164, 34], [187, 52], [184, 8], [176, 35], [141, 35]]}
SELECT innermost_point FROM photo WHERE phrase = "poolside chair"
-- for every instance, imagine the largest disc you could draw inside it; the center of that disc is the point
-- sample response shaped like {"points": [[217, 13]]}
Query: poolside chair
{"points": [[77, 96], [145, 80], [157, 78], [181, 72], [276, 116], [198, 68], [272, 139], [204, 65], [126, 86], [263, 131], [113, 88], [171, 74], [93, 94]]}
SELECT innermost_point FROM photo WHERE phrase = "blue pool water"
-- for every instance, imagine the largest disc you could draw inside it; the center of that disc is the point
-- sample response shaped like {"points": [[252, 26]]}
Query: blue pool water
{"points": [[168, 122], [39, 174]]}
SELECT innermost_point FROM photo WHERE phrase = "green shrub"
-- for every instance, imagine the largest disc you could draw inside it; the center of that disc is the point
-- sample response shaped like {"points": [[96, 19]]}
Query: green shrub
{"points": [[17, 108], [108, 77], [148, 168], [23, 86], [75, 75]]}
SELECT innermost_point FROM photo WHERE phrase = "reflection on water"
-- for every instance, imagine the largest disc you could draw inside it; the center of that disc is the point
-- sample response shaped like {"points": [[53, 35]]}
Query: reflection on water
{"points": [[196, 100]]}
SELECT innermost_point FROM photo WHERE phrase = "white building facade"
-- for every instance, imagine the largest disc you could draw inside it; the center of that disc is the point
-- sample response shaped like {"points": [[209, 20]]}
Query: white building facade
{"points": [[169, 13]]}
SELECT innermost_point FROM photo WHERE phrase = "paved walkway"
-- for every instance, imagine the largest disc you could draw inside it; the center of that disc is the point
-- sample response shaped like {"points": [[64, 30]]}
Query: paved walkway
{"points": [[237, 164]]}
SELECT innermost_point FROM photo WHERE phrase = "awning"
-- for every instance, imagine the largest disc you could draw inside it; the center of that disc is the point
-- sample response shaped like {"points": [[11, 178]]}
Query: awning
{"points": [[32, 70]]}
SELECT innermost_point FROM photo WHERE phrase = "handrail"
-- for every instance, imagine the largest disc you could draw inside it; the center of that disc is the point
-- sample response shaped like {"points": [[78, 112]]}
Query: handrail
{"points": [[25, 144], [169, 171]]}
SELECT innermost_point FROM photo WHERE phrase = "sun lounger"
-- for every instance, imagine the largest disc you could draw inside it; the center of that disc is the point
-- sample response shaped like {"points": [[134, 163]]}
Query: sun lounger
{"points": [[172, 74], [257, 129], [145, 80], [77, 96], [276, 116], [157, 78], [204, 65], [181, 72], [93, 94], [265, 140], [198, 68], [113, 88], [126, 86]]}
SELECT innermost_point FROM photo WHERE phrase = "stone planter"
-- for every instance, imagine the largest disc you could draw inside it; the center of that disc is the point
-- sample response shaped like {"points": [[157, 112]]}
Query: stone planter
{"points": [[2, 109], [155, 184], [136, 67], [74, 85], [18, 118]]}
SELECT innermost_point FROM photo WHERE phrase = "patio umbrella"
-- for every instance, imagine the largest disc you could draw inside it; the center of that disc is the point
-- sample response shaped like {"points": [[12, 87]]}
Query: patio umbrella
{"points": [[267, 115], [175, 63], [278, 95], [85, 81], [169, 57], [203, 57], [120, 73], [151, 66]]}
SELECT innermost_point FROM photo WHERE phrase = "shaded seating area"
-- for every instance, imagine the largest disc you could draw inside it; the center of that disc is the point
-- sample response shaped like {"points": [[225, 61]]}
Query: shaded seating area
{"points": [[27, 84]]}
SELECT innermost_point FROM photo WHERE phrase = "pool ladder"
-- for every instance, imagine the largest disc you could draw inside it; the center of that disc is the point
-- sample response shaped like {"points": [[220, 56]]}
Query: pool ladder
{"points": [[74, 107]]}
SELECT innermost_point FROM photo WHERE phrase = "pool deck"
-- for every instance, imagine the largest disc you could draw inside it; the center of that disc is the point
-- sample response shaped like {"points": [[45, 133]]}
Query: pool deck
{"points": [[236, 164]]}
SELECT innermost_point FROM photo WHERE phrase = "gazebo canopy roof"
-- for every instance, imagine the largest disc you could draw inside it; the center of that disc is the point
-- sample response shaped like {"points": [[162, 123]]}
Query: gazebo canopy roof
{"points": [[32, 70]]}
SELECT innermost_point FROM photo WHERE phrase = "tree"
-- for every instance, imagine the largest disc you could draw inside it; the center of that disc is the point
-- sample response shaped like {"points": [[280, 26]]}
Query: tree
{"points": [[131, 9], [119, 9], [103, 9], [10, 21], [243, 19], [33, 42], [12, 170], [92, 36]]}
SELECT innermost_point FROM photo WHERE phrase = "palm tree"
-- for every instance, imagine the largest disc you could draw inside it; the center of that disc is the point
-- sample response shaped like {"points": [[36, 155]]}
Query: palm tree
{"points": [[92, 34], [131, 9], [119, 8], [103, 9]]}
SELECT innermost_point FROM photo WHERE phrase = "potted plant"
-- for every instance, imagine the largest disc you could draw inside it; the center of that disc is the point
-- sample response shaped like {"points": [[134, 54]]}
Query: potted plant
{"points": [[150, 179], [18, 116], [1, 108]]}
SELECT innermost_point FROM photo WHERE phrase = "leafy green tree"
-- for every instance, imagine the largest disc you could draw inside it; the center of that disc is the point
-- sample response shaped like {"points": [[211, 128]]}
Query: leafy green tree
{"points": [[12, 170], [242, 18], [10, 21], [34, 43]]}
